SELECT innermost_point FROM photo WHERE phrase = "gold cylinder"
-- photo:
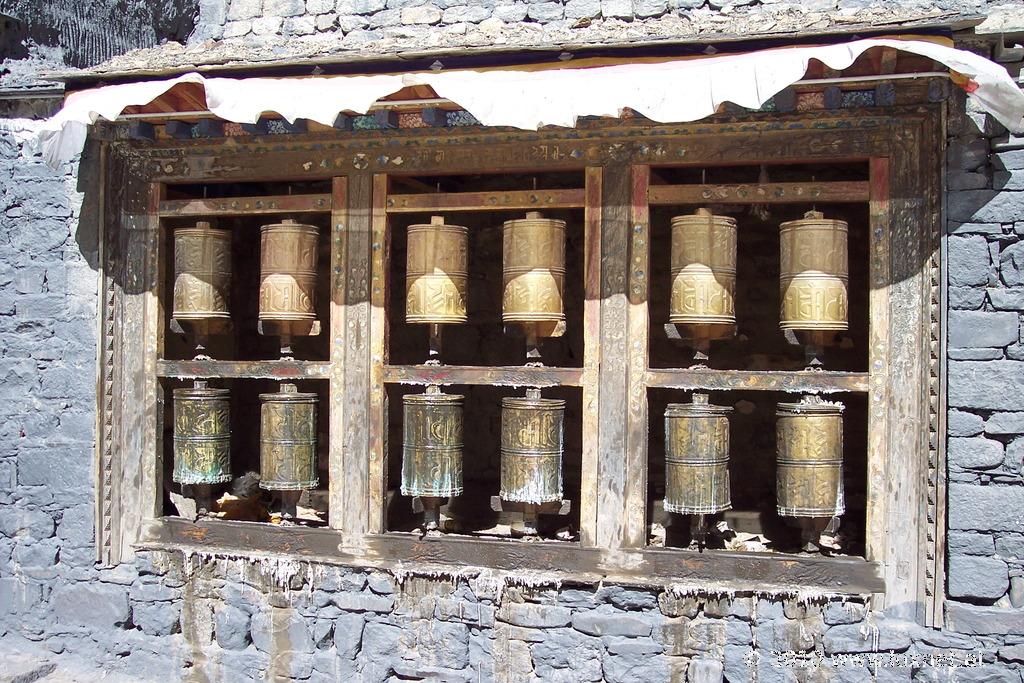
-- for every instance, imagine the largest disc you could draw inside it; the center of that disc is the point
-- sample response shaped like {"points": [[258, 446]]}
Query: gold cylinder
{"points": [[288, 258], [432, 445], [531, 448], [533, 270], [202, 273], [697, 458], [703, 269], [288, 440], [202, 436], [436, 274], [809, 464], [814, 273]]}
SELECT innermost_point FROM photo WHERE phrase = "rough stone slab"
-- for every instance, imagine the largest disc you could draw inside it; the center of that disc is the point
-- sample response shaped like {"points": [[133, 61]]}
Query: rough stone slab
{"points": [[1004, 423], [532, 615], [598, 623], [843, 613], [100, 606], [977, 577], [363, 602], [986, 508], [983, 329], [991, 385], [975, 453], [231, 626], [962, 423], [975, 354], [1008, 180], [848, 638], [1006, 298], [969, 262], [19, 668], [970, 543], [979, 620], [985, 206]]}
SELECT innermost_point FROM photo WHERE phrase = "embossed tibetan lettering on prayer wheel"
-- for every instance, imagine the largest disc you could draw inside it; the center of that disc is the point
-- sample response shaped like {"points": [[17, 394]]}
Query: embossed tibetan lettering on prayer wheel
{"points": [[432, 444], [288, 440], [697, 457], [288, 257], [531, 448], [809, 474], [814, 273], [436, 273], [202, 436], [703, 270], [533, 269], [202, 273]]}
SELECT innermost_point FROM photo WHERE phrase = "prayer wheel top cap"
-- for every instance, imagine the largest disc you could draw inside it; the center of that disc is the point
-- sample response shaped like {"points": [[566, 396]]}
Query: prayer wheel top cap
{"points": [[813, 217], [201, 392], [527, 402], [433, 398], [437, 222], [291, 223], [289, 393], [814, 407], [695, 410], [703, 216]]}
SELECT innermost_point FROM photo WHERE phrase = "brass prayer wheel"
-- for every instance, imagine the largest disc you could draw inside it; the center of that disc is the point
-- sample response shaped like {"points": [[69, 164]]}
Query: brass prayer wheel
{"points": [[432, 444], [288, 258], [202, 273], [288, 440], [814, 273], [202, 436], [809, 474], [703, 269], [436, 274], [533, 271], [697, 457], [531, 448]]}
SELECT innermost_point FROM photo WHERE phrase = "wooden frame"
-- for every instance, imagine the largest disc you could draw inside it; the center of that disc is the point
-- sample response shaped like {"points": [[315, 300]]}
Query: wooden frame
{"points": [[900, 145]]}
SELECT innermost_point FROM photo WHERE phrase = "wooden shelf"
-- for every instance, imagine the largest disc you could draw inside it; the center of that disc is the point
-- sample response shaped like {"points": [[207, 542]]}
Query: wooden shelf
{"points": [[249, 369], [245, 206], [757, 380], [505, 376], [518, 200], [759, 193]]}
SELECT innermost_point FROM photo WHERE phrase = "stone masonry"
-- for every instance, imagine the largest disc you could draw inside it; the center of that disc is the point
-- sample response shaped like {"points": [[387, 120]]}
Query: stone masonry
{"points": [[165, 617]]}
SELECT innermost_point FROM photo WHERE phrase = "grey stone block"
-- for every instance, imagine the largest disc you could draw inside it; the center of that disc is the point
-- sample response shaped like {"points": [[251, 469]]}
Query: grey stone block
{"points": [[969, 543], [601, 623], [674, 606], [635, 668], [703, 670], [348, 634], [276, 629], [1012, 653], [843, 613], [532, 615], [99, 606], [975, 453], [684, 637], [649, 8], [363, 602], [1008, 180], [157, 619], [582, 9], [1006, 299], [983, 329], [991, 385], [1003, 423], [620, 9], [849, 638], [380, 641], [962, 423], [18, 595], [1009, 546], [231, 626], [966, 298], [967, 154], [985, 206], [981, 620], [975, 354], [545, 11], [966, 180], [19, 522], [1011, 160], [969, 262], [977, 577], [471, 14], [153, 592], [425, 14], [244, 9], [986, 508], [623, 645], [738, 632]]}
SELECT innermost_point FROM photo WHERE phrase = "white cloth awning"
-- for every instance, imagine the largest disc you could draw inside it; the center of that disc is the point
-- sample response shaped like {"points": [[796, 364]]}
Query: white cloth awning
{"points": [[667, 92]]}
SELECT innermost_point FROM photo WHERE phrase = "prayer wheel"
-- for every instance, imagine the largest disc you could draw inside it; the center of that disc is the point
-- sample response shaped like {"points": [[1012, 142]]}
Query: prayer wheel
{"points": [[288, 441], [531, 448], [202, 435], [814, 274], [697, 457], [202, 273], [703, 270], [533, 269], [288, 258], [432, 444], [809, 475], [437, 269]]}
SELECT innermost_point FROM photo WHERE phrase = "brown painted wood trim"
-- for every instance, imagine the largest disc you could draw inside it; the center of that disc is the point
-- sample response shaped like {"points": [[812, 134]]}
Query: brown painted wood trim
{"points": [[256, 369], [512, 376], [727, 570], [752, 380], [759, 193], [245, 206], [528, 200]]}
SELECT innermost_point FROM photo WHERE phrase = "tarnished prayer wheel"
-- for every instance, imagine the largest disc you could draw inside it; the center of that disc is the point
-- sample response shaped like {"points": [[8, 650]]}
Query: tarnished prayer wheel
{"points": [[814, 273], [288, 257], [531, 448], [432, 444], [202, 436], [202, 273], [697, 457], [809, 474], [533, 269], [288, 440], [436, 273], [703, 269]]}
